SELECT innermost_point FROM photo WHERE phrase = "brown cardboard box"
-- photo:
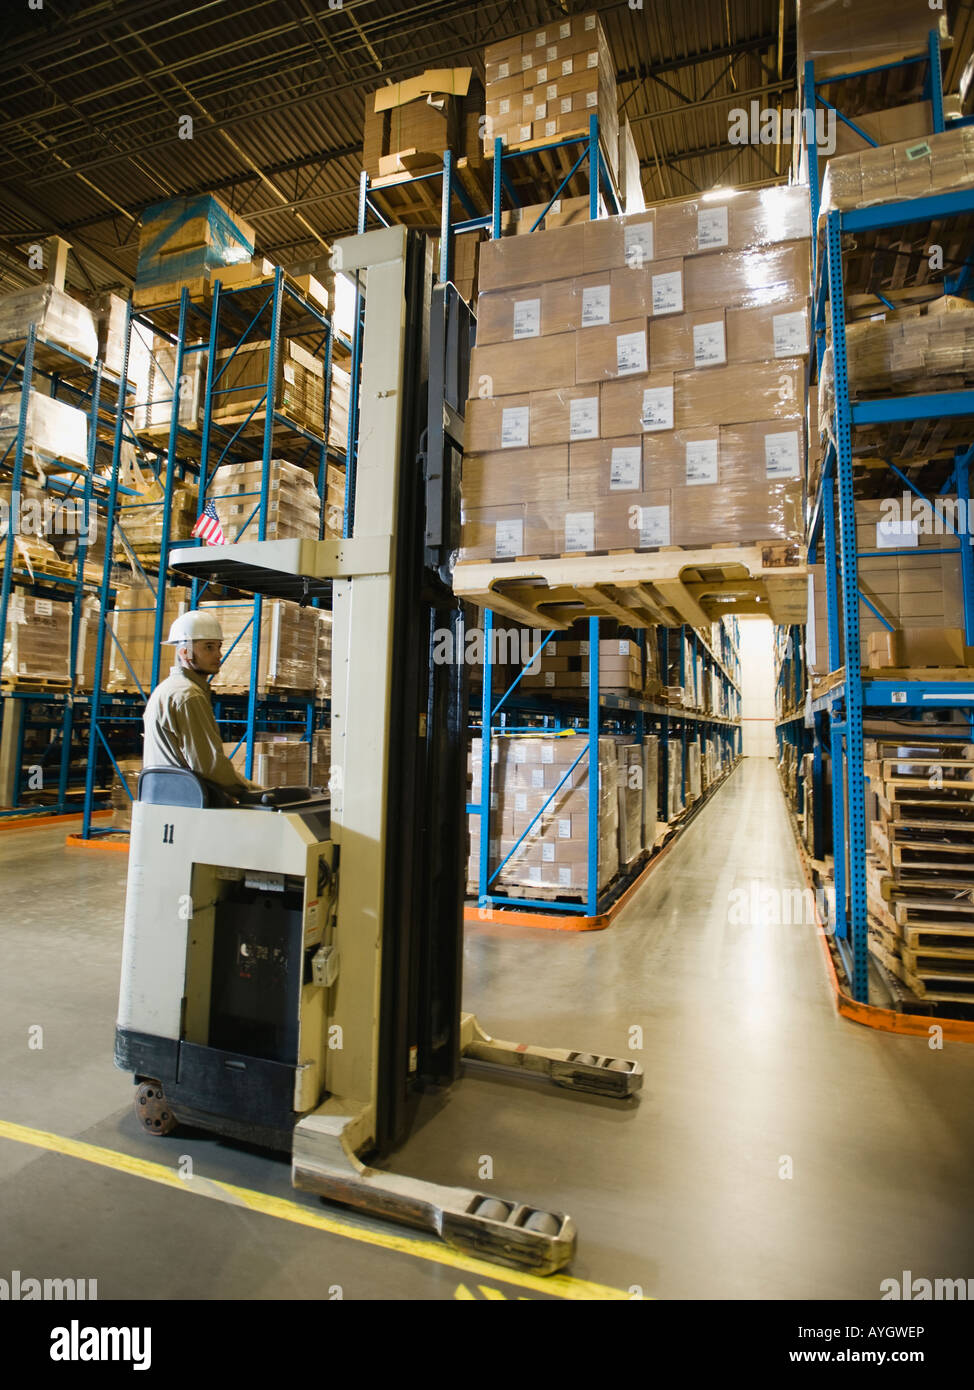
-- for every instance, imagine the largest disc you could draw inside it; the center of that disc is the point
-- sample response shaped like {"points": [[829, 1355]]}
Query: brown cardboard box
{"points": [[745, 279], [682, 341], [503, 369], [732, 220], [610, 351], [525, 475], [769, 331], [633, 405], [492, 532], [764, 451], [924, 646], [505, 316], [568, 414], [867, 34], [682, 458], [605, 467], [738, 393], [738, 513], [612, 243], [561, 212], [509, 262], [498, 422]]}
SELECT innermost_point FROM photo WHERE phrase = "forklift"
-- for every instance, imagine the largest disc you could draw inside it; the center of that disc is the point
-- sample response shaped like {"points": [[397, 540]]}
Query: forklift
{"points": [[291, 966]]}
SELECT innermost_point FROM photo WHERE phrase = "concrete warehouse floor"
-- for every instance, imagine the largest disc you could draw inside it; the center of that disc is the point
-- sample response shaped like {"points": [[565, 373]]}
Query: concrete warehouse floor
{"points": [[677, 1193]]}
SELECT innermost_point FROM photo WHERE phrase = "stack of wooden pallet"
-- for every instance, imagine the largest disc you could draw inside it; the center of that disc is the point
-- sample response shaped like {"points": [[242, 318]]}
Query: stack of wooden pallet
{"points": [[920, 867]]}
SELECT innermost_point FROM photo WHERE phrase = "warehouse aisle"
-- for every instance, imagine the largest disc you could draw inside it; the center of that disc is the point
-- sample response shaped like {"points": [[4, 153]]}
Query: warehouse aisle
{"points": [[684, 1193]]}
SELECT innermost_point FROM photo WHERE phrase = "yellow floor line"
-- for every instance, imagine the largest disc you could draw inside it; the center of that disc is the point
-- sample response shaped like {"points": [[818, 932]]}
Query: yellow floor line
{"points": [[561, 1285]]}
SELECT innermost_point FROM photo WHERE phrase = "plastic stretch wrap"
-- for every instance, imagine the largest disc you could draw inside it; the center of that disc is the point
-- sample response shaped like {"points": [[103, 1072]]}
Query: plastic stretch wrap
{"points": [[292, 501], [186, 237], [141, 518], [909, 169], [55, 430], [37, 642], [554, 852], [56, 316], [288, 646], [133, 624], [841, 37]]}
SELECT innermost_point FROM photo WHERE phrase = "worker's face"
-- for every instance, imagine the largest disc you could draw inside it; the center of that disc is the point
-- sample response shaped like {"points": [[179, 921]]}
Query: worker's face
{"points": [[205, 657]]}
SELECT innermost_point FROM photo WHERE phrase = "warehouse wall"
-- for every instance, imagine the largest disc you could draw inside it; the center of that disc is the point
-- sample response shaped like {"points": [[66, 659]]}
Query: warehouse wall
{"points": [[757, 687]]}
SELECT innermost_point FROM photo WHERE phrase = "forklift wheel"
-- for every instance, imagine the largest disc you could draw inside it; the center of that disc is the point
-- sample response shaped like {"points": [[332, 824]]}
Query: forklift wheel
{"points": [[153, 1110]]}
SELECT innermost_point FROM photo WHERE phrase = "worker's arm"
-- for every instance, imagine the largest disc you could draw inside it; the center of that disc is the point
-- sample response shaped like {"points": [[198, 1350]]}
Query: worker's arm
{"points": [[201, 745]]}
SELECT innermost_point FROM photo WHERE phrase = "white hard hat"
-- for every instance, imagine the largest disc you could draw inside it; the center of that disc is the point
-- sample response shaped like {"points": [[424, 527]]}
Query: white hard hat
{"points": [[194, 626]]}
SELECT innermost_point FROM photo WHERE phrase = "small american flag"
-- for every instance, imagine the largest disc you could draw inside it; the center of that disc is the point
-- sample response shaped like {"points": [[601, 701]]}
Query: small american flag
{"points": [[208, 526]]}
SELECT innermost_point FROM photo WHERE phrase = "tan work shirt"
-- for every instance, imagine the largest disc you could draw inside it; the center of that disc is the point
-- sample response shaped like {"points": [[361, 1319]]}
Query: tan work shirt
{"points": [[181, 730]]}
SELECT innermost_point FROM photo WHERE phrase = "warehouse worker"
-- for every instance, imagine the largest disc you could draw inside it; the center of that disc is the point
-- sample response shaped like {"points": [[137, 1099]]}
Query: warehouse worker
{"points": [[180, 726]]}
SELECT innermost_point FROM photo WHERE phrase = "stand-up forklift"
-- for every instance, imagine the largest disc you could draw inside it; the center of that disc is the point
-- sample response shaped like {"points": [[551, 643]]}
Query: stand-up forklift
{"points": [[291, 967]]}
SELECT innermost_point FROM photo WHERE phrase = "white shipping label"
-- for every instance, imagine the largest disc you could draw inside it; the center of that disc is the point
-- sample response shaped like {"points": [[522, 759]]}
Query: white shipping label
{"points": [[583, 418], [551, 128], [541, 38], [579, 530], [591, 99], [43, 608], [555, 206], [547, 753], [565, 106], [624, 469], [701, 458], [524, 133], [503, 70], [595, 305], [590, 21], [711, 228], [520, 801], [790, 334], [564, 875], [657, 412], [514, 427], [892, 534], [623, 648], [537, 773], [527, 318], [566, 67], [565, 30], [709, 347], [542, 76], [551, 91], [564, 828], [668, 293], [540, 110], [509, 538], [547, 852], [781, 455], [549, 679], [527, 62], [630, 353], [593, 60], [654, 526], [504, 107], [551, 53], [638, 243], [534, 873], [519, 752]]}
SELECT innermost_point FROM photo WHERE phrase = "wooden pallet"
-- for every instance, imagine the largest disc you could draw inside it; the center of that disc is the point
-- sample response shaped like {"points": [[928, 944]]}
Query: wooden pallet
{"points": [[641, 587], [918, 750], [934, 913], [419, 203], [253, 421], [42, 685]]}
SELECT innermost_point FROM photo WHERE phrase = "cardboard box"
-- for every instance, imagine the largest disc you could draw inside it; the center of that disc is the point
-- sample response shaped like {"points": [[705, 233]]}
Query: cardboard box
{"points": [[770, 331], [864, 35], [733, 220], [605, 467], [611, 351], [636, 405], [525, 475], [492, 532], [505, 316], [683, 341], [747, 279], [614, 243], [766, 451], [682, 458], [498, 422], [568, 414], [511, 262], [503, 369], [738, 393]]}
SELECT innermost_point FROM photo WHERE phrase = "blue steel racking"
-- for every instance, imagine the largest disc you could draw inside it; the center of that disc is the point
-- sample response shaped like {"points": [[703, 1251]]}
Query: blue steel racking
{"points": [[87, 386], [673, 726], [839, 712], [232, 318]]}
